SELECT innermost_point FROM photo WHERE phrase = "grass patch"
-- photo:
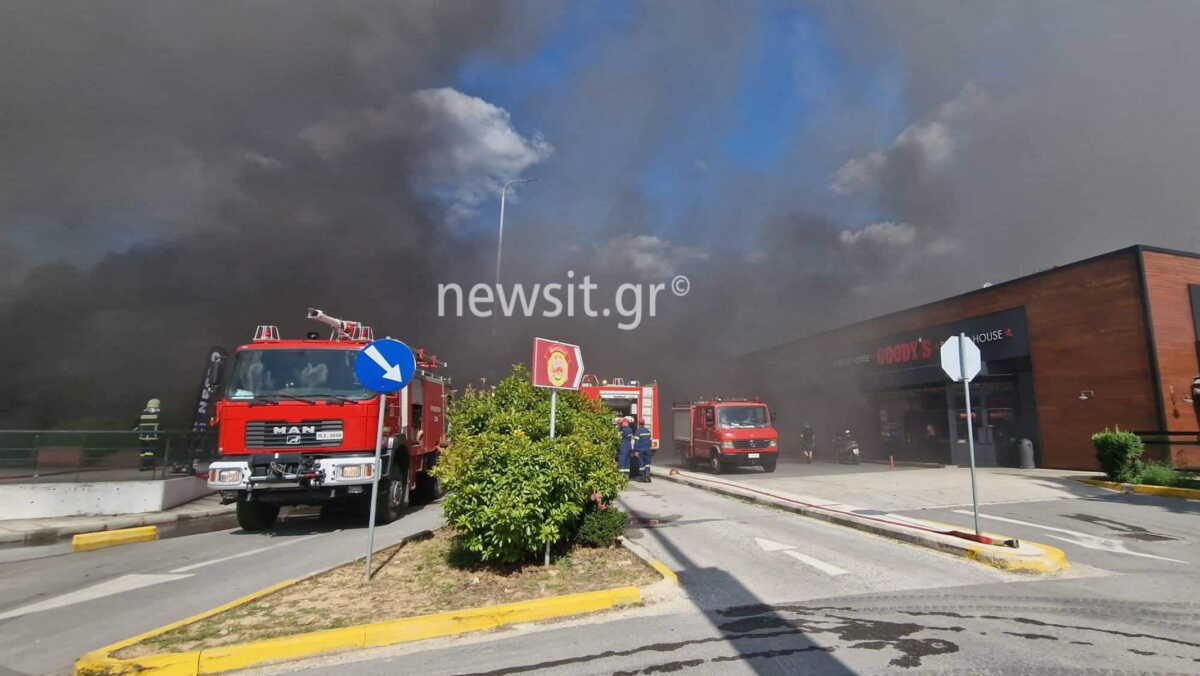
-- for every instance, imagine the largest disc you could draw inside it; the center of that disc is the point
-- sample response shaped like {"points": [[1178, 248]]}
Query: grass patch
{"points": [[419, 578]]}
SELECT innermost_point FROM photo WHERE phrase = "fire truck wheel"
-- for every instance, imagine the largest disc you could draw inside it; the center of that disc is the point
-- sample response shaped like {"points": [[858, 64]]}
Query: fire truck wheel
{"points": [[769, 465], [393, 496], [715, 463], [429, 488], [255, 516]]}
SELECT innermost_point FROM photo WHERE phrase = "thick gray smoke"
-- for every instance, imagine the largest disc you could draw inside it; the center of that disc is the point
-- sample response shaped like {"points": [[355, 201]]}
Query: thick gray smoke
{"points": [[172, 175]]}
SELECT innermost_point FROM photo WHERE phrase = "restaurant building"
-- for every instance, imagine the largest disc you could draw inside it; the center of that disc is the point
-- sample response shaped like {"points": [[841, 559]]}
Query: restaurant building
{"points": [[1107, 341]]}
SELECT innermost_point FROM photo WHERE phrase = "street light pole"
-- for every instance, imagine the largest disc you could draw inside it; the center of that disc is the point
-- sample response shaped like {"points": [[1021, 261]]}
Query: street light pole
{"points": [[500, 242]]}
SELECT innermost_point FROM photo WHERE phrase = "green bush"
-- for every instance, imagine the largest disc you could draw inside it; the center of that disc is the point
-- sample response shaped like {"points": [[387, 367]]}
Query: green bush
{"points": [[513, 489], [1157, 474], [602, 527], [1119, 454]]}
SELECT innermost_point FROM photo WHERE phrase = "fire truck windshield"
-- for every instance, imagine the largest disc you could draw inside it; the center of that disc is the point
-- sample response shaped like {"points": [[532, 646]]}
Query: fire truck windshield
{"points": [[743, 416], [295, 374]]}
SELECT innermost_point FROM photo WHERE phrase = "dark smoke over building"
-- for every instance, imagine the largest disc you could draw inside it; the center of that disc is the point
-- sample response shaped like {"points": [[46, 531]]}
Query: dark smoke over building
{"points": [[172, 175]]}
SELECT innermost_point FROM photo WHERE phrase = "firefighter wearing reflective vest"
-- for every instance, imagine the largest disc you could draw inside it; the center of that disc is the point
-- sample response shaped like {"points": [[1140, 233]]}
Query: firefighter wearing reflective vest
{"points": [[147, 429], [641, 448], [626, 448]]}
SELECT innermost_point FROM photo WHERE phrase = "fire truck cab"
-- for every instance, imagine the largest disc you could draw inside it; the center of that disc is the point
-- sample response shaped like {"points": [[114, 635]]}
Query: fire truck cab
{"points": [[295, 427], [722, 433], [626, 398]]}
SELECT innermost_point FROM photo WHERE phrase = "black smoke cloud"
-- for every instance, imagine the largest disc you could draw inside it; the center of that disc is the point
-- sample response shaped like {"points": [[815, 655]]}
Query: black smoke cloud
{"points": [[172, 175]]}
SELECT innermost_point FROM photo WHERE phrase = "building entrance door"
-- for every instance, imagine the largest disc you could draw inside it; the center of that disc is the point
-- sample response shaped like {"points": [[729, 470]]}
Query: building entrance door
{"points": [[993, 416]]}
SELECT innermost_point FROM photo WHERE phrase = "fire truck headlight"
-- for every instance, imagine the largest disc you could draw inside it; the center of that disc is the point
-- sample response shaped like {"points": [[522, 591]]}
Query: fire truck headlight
{"points": [[357, 471], [774, 443], [726, 444], [228, 476]]}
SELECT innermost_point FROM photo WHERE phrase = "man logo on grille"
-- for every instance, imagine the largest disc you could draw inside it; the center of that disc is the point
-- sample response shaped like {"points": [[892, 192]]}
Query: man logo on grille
{"points": [[293, 439]]}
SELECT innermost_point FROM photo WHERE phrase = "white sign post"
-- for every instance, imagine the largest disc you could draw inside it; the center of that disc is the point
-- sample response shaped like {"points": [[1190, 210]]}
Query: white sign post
{"points": [[961, 361]]}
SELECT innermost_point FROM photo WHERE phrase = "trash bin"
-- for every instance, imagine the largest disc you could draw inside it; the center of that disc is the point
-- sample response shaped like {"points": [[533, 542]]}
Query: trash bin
{"points": [[1026, 453]]}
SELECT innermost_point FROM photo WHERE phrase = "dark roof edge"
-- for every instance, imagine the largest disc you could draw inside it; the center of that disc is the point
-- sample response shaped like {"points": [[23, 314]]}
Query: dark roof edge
{"points": [[1134, 249]]}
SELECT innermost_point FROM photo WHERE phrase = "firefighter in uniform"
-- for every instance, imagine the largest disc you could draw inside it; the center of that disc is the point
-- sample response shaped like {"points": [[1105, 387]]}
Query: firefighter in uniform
{"points": [[626, 447], [147, 429], [641, 448]]}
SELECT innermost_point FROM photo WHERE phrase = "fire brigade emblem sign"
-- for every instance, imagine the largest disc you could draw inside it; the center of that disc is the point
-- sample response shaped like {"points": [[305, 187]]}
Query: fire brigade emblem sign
{"points": [[556, 365]]}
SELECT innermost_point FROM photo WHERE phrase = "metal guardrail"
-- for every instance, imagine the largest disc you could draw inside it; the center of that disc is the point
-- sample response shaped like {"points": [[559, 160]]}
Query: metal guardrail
{"points": [[95, 455]]}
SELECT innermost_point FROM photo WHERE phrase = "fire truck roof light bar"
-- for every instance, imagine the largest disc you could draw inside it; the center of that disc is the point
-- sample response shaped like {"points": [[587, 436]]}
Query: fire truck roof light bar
{"points": [[266, 332]]}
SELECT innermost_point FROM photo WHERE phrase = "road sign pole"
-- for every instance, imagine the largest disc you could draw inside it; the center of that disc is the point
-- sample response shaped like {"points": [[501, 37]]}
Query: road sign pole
{"points": [[962, 368], [553, 409], [374, 490]]}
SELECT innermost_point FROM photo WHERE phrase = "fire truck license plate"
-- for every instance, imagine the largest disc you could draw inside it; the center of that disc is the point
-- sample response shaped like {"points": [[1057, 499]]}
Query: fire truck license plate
{"points": [[329, 435], [751, 455]]}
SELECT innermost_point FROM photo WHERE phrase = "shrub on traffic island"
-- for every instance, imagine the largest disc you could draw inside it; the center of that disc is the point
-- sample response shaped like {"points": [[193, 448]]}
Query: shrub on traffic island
{"points": [[512, 488], [1119, 454]]}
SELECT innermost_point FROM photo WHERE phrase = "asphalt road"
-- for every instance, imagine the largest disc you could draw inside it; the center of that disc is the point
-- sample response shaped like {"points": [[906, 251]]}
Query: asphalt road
{"points": [[764, 592], [769, 592], [55, 609]]}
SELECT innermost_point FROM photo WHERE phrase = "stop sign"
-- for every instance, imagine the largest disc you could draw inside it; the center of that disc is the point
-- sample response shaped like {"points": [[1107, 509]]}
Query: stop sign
{"points": [[971, 361]]}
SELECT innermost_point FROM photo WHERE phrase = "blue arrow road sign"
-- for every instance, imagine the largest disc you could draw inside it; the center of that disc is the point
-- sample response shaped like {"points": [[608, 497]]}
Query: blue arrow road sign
{"points": [[385, 365]]}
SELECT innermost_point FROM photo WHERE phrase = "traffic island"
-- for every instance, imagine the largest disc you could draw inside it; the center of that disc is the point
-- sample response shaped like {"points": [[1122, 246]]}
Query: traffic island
{"points": [[412, 586], [1025, 557], [1145, 489]]}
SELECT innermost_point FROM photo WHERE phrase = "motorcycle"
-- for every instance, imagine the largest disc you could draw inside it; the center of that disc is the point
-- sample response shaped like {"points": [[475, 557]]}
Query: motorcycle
{"points": [[845, 448]]}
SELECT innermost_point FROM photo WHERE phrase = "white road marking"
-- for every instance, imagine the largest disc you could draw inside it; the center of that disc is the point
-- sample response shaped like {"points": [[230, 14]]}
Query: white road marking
{"points": [[1081, 539], [251, 552], [827, 568], [116, 585], [771, 545]]}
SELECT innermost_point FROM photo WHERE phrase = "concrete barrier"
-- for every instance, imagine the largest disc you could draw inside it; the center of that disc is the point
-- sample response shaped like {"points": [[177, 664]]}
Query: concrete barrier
{"points": [[101, 498]]}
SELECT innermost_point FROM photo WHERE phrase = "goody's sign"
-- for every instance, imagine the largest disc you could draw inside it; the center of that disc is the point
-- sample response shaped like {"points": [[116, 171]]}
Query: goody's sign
{"points": [[385, 365]]}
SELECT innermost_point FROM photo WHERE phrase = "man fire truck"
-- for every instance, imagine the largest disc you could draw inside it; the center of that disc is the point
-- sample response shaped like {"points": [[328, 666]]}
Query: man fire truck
{"points": [[723, 433], [626, 398], [295, 427]]}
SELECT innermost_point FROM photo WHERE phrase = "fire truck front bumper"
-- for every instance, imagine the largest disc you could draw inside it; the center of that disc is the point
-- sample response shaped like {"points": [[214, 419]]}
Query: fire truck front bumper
{"points": [[752, 458], [230, 476]]}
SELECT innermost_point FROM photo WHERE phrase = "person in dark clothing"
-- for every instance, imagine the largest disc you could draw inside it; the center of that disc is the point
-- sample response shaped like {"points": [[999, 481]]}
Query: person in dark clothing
{"points": [[626, 451], [641, 447]]}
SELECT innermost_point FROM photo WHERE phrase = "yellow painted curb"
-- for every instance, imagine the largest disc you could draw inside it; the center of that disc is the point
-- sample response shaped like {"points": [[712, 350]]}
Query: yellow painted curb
{"points": [[85, 542], [1051, 559], [242, 655], [663, 570], [1146, 489]]}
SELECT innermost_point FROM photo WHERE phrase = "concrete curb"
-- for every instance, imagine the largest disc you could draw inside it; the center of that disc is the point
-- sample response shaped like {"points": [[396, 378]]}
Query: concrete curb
{"points": [[242, 655], [1030, 558], [1145, 489], [86, 542], [51, 535]]}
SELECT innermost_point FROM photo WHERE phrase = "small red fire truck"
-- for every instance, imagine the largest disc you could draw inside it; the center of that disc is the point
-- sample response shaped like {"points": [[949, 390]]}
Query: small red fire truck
{"points": [[295, 427], [626, 398], [723, 433]]}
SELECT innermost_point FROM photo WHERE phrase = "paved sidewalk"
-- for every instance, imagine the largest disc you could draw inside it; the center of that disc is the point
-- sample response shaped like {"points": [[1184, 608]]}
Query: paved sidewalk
{"points": [[908, 488], [31, 532]]}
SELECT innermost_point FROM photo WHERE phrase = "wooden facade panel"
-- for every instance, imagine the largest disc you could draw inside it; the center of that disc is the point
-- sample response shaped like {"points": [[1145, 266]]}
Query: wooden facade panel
{"points": [[1167, 280]]}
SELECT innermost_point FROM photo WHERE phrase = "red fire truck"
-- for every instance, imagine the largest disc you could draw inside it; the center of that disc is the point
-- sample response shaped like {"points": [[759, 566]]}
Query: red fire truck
{"points": [[723, 433], [626, 398], [295, 427]]}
